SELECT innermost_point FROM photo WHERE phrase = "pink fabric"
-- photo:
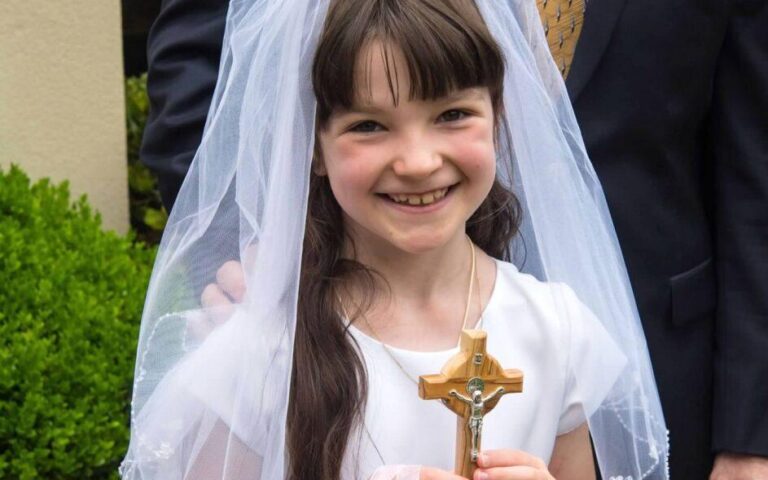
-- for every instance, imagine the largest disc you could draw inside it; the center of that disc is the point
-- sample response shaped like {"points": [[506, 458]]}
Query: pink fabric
{"points": [[397, 472]]}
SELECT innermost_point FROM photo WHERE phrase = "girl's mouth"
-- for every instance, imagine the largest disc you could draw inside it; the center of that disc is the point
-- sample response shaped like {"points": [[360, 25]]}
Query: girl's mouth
{"points": [[417, 200]]}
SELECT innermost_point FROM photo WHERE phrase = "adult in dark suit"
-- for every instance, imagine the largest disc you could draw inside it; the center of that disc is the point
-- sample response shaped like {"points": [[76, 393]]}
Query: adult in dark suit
{"points": [[672, 99]]}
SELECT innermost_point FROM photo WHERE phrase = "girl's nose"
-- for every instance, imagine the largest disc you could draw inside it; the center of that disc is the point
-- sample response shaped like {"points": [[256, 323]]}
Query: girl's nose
{"points": [[417, 161]]}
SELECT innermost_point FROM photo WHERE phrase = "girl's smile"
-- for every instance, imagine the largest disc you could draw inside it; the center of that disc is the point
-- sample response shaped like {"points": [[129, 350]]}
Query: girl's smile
{"points": [[419, 203]]}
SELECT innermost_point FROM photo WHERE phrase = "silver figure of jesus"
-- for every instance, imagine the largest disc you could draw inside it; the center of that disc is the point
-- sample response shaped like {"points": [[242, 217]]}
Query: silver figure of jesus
{"points": [[477, 410]]}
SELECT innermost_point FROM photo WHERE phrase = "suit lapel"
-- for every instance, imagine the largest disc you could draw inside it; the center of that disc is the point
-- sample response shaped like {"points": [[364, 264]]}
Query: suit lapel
{"points": [[599, 23]]}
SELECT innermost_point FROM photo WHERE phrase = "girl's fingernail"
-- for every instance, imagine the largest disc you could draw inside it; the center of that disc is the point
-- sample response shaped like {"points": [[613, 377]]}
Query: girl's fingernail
{"points": [[484, 461], [481, 476]]}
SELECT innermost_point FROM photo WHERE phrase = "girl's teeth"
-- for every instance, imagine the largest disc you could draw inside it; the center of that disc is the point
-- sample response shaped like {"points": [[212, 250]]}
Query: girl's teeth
{"points": [[424, 199]]}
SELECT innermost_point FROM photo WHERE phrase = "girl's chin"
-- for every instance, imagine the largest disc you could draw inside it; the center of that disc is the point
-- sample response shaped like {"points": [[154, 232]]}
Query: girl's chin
{"points": [[407, 237], [420, 244]]}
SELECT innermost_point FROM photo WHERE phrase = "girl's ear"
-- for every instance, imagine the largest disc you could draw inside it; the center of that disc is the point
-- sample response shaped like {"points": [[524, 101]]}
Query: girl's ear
{"points": [[318, 166]]}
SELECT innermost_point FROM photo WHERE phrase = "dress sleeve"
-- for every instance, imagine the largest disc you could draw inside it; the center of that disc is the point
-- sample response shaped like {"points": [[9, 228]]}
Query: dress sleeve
{"points": [[229, 375], [594, 362]]}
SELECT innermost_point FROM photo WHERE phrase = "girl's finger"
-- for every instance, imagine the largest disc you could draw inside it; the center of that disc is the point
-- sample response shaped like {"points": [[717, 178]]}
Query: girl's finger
{"points": [[213, 296], [512, 473], [231, 279], [509, 458], [216, 303]]}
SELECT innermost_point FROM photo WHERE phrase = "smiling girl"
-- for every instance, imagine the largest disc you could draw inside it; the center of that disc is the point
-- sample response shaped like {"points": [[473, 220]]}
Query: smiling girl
{"points": [[408, 238]]}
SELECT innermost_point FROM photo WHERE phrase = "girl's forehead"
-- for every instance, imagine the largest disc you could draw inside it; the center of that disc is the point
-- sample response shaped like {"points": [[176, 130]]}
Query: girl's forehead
{"points": [[382, 79], [381, 74]]}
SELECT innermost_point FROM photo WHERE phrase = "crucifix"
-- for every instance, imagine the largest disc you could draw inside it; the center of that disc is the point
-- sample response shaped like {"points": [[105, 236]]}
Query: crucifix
{"points": [[470, 385]]}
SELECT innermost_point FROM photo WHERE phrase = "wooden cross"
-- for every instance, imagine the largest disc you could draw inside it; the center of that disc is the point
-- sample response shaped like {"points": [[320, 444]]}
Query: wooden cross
{"points": [[470, 385]]}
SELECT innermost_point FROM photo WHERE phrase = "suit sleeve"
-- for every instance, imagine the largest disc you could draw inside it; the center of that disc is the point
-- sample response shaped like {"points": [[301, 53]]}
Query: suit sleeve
{"points": [[738, 141], [183, 50]]}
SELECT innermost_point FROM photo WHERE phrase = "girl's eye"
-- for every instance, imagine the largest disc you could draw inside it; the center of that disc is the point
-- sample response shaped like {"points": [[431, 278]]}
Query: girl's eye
{"points": [[368, 126], [453, 115]]}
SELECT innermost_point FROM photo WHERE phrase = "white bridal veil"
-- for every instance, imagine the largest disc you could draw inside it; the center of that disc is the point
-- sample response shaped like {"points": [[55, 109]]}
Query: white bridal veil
{"points": [[212, 385]]}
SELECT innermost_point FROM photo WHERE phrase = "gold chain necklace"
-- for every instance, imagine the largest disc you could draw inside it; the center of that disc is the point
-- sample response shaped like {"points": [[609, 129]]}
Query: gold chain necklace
{"points": [[472, 279]]}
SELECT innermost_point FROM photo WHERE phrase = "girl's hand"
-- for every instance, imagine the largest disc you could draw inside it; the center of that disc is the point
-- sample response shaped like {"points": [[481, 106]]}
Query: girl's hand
{"points": [[511, 465], [493, 465], [218, 300]]}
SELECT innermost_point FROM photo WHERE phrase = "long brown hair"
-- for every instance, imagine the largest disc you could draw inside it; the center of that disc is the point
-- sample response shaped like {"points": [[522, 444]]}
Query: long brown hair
{"points": [[447, 47]]}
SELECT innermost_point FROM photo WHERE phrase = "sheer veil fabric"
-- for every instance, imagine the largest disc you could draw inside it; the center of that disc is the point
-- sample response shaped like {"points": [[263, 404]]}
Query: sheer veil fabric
{"points": [[212, 385]]}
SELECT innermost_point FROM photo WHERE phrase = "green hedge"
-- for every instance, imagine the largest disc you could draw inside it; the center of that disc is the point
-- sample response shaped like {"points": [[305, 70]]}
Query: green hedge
{"points": [[148, 216], [71, 297]]}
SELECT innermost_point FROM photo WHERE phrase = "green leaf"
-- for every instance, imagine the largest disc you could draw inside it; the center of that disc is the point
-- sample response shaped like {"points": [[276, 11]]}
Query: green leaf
{"points": [[147, 215], [155, 218], [140, 179]]}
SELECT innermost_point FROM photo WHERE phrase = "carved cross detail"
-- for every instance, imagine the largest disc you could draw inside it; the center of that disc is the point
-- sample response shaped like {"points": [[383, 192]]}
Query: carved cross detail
{"points": [[470, 385]]}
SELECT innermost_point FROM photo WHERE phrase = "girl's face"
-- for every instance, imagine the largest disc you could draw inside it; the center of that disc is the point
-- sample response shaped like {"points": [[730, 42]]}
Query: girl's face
{"points": [[408, 175]]}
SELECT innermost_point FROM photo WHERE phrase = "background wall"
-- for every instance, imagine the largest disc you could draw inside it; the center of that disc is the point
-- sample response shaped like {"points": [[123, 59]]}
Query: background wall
{"points": [[61, 98]]}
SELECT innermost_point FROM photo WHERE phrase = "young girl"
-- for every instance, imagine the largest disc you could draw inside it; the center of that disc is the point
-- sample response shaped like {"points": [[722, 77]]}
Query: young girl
{"points": [[304, 361]]}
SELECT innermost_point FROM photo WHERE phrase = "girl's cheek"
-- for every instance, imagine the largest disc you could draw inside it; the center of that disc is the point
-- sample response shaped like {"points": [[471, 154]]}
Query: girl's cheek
{"points": [[475, 152], [352, 150], [349, 151], [352, 170]]}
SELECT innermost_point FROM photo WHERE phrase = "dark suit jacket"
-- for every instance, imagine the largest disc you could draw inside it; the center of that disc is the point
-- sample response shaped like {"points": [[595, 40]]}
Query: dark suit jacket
{"points": [[672, 99], [183, 54]]}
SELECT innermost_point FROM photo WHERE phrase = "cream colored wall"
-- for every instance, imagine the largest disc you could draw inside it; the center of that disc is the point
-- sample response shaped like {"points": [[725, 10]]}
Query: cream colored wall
{"points": [[61, 98]]}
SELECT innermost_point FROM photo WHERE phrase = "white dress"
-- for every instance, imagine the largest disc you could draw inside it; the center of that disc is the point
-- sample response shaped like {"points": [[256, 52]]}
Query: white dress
{"points": [[539, 328]]}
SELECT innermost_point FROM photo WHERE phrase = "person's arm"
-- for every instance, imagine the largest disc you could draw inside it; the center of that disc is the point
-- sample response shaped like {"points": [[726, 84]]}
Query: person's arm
{"points": [[225, 456], [572, 456], [183, 52], [738, 137]]}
